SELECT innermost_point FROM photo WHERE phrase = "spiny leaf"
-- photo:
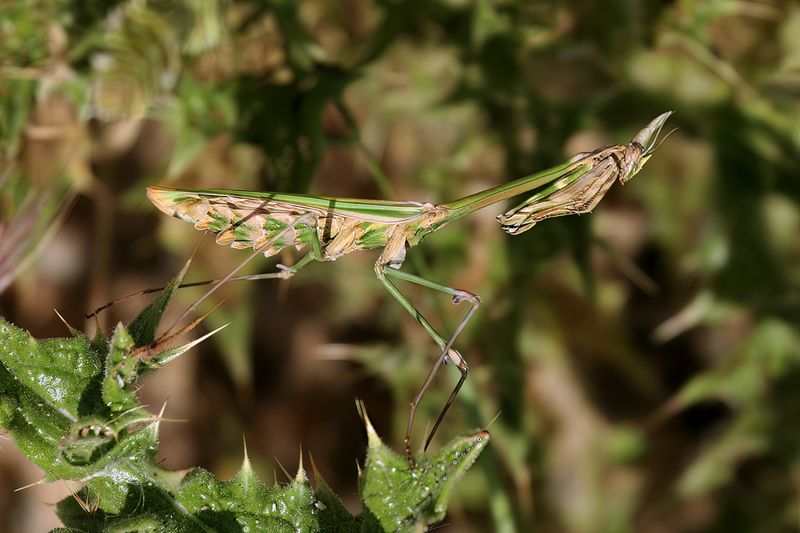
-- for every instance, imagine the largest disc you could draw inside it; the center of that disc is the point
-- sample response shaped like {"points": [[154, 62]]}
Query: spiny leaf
{"points": [[143, 327], [55, 400], [334, 517], [87, 441], [45, 386], [245, 503], [122, 372], [56, 370], [77, 420], [400, 497], [165, 356]]}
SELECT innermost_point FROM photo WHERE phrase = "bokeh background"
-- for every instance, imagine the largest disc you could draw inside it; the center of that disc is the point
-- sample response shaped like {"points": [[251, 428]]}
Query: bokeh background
{"points": [[644, 360]]}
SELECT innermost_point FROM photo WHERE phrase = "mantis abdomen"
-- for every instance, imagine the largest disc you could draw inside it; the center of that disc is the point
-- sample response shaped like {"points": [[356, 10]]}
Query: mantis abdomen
{"points": [[252, 223]]}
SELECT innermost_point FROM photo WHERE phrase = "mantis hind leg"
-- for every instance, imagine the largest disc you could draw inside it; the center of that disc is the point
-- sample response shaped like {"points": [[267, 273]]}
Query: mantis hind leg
{"points": [[216, 284], [448, 353], [284, 272]]}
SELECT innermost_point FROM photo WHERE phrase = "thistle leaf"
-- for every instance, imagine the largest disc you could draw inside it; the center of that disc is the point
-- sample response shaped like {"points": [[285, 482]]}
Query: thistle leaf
{"points": [[76, 415], [401, 498], [143, 327]]}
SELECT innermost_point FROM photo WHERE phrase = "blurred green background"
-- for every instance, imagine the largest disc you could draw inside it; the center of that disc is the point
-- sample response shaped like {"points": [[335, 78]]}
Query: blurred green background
{"points": [[644, 359]]}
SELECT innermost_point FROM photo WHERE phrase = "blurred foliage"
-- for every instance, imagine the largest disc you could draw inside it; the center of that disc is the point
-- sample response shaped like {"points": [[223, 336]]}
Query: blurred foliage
{"points": [[644, 359]]}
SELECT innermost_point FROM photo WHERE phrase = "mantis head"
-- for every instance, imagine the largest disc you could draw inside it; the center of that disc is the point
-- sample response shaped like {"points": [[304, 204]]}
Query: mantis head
{"points": [[642, 147]]}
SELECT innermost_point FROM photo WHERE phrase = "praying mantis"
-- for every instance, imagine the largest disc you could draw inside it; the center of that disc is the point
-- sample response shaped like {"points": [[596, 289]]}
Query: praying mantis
{"points": [[332, 227]]}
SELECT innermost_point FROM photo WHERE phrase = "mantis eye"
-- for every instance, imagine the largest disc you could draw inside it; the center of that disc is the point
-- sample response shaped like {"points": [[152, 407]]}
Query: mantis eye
{"points": [[636, 166]]}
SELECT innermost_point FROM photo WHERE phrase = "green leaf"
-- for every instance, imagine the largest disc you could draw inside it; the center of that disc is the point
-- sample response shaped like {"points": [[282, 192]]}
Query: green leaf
{"points": [[88, 440], [334, 517], [402, 498], [122, 372], [58, 371], [143, 327], [165, 356], [45, 386], [79, 420], [243, 503]]}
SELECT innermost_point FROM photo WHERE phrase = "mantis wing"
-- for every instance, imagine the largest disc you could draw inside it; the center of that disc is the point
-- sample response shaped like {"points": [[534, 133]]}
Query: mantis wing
{"points": [[245, 219]]}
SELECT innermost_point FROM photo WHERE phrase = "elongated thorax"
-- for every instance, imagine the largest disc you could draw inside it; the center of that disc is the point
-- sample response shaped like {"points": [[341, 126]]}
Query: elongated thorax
{"points": [[578, 186]]}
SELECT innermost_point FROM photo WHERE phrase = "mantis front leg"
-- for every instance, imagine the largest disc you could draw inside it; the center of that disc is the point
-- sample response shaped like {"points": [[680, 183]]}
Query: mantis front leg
{"points": [[384, 272]]}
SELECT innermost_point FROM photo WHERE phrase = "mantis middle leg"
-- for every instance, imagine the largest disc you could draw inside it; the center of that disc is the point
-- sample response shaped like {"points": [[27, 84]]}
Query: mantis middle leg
{"points": [[384, 272]]}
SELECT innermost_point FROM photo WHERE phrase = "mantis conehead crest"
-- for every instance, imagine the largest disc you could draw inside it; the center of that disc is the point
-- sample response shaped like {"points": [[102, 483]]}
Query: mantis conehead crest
{"points": [[642, 147]]}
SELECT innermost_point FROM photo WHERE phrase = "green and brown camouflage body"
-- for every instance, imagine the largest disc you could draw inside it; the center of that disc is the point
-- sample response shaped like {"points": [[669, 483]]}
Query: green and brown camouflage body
{"points": [[244, 219], [332, 227]]}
